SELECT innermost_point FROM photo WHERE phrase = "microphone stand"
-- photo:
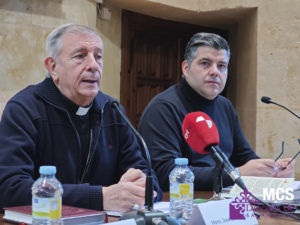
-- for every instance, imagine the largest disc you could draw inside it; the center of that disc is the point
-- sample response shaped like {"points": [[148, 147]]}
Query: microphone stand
{"points": [[149, 179], [218, 182], [148, 216]]}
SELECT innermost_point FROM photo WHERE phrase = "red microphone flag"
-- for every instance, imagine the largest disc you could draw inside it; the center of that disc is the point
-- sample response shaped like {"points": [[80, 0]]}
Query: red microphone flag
{"points": [[200, 131]]}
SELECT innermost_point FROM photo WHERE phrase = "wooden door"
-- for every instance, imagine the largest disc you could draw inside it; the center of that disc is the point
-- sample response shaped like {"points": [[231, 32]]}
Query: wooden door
{"points": [[152, 52]]}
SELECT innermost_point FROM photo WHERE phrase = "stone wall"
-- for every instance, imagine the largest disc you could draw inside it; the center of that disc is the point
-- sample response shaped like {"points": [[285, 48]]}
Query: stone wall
{"points": [[24, 26]]}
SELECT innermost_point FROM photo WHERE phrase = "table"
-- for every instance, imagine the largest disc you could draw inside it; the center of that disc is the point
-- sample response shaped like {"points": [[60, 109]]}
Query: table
{"points": [[264, 220], [3, 222]]}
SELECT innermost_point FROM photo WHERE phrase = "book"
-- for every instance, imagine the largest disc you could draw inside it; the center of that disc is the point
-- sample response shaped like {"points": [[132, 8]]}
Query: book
{"points": [[70, 215]]}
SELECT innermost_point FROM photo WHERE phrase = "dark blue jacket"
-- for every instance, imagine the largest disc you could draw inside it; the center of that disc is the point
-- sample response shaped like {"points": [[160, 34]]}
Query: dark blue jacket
{"points": [[36, 130]]}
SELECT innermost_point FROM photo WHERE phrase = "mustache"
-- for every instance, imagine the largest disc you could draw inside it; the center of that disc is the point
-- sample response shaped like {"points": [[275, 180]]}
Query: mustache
{"points": [[91, 76]]}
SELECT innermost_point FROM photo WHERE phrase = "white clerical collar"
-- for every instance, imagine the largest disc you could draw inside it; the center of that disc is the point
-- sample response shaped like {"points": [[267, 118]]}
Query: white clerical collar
{"points": [[82, 111]]}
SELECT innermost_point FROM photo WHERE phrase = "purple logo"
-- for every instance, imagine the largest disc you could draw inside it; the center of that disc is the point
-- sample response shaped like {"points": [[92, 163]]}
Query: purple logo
{"points": [[240, 208]]}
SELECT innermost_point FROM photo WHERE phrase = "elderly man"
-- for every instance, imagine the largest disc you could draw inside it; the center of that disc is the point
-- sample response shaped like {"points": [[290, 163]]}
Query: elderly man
{"points": [[67, 122], [204, 77]]}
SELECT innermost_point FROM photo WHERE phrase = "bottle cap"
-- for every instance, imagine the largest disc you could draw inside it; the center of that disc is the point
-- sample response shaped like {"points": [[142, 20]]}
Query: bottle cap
{"points": [[181, 161], [47, 170]]}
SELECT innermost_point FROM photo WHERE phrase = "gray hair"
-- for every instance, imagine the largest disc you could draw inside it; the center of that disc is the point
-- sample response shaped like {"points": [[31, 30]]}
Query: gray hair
{"points": [[204, 39], [53, 42]]}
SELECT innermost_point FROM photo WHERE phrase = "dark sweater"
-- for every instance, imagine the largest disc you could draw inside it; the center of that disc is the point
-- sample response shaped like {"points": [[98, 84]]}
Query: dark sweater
{"points": [[161, 126]]}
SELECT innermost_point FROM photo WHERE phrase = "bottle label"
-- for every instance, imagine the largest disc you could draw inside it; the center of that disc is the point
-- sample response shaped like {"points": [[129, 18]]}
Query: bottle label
{"points": [[181, 191], [55, 208], [46, 207]]}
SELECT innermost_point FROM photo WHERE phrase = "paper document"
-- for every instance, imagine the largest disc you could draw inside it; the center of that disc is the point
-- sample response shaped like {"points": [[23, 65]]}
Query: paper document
{"points": [[256, 185], [295, 185]]}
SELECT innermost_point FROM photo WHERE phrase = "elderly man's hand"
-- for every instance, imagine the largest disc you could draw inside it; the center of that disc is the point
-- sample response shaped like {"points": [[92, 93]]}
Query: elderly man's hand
{"points": [[130, 191], [133, 175]]}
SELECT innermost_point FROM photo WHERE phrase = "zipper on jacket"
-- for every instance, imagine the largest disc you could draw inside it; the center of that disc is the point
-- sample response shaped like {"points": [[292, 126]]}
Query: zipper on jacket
{"points": [[90, 154], [78, 138], [87, 164], [89, 158]]}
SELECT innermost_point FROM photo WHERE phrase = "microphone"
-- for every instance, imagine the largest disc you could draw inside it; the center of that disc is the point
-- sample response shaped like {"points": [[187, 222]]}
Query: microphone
{"points": [[201, 134], [267, 100], [148, 216], [149, 179]]}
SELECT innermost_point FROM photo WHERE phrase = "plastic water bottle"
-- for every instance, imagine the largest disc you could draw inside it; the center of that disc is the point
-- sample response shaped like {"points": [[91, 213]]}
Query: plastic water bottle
{"points": [[181, 191], [46, 198]]}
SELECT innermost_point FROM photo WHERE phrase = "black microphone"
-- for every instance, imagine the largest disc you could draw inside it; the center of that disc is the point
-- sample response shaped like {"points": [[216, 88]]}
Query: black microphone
{"points": [[148, 216], [149, 179], [267, 100]]}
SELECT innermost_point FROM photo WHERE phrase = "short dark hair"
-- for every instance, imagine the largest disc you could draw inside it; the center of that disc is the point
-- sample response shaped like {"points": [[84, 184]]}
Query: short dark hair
{"points": [[204, 39]]}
